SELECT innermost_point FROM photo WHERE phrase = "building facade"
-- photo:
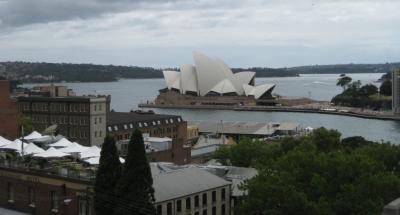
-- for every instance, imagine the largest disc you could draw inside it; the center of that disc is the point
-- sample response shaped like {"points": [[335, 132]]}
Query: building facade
{"points": [[53, 91], [8, 112], [80, 118], [42, 194], [122, 124], [396, 91]]}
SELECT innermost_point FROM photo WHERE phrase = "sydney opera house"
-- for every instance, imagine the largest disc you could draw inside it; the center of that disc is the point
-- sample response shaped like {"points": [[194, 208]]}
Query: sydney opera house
{"points": [[212, 81]]}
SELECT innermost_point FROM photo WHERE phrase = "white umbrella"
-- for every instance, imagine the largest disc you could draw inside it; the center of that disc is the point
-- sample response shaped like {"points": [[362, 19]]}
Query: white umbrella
{"points": [[4, 141], [31, 148], [74, 148], [61, 143], [51, 153], [96, 160], [33, 135], [93, 151], [14, 145]]}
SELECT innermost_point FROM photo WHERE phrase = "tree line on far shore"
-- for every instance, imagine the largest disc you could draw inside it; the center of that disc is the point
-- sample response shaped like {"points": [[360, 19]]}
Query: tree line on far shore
{"points": [[68, 72]]}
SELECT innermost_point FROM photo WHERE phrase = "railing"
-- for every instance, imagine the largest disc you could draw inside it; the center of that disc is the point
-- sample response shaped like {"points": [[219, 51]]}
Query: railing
{"points": [[49, 169]]}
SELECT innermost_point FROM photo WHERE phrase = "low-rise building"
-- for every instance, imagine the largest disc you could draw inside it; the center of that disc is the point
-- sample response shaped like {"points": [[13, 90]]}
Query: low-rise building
{"points": [[122, 124], [52, 91], [80, 118]]}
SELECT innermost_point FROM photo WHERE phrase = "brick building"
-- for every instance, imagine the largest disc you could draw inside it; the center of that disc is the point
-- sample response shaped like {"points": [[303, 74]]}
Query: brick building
{"points": [[41, 193], [8, 112], [80, 118], [122, 124]]}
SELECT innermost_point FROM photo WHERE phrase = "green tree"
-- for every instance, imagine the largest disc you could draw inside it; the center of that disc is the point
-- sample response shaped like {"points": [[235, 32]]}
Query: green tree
{"points": [[343, 81], [134, 191], [25, 122], [368, 90], [306, 181], [107, 177], [325, 140], [386, 88]]}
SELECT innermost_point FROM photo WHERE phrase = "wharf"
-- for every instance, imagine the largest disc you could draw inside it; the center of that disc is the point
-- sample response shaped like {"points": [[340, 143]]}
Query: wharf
{"points": [[279, 109]]}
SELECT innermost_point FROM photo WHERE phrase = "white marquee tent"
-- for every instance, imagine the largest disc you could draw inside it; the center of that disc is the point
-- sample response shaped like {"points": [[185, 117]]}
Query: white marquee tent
{"points": [[93, 151], [31, 149], [51, 153], [62, 143], [74, 148], [96, 160], [33, 135], [4, 141]]}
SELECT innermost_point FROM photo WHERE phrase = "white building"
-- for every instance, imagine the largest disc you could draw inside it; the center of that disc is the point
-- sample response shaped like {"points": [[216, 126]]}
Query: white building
{"points": [[213, 77]]}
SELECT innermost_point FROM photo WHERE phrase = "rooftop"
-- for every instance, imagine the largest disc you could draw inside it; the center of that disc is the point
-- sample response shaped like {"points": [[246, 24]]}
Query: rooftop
{"points": [[128, 120], [187, 181]]}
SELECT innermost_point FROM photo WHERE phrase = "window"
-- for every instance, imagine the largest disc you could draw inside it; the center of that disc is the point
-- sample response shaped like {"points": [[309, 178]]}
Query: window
{"points": [[95, 134], [179, 119], [125, 127], [169, 208], [154, 123], [188, 203], [100, 120], [95, 107], [130, 126], [214, 196], [204, 199], [179, 206], [223, 209], [196, 201], [159, 209], [10, 192], [95, 120], [109, 128], [196, 213], [140, 124], [158, 122], [205, 212], [84, 207], [223, 194], [214, 211], [100, 106], [115, 128], [99, 133], [31, 196], [54, 200]]}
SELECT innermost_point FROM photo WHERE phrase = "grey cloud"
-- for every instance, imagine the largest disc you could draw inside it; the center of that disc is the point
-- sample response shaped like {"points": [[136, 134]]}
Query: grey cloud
{"points": [[25, 12]]}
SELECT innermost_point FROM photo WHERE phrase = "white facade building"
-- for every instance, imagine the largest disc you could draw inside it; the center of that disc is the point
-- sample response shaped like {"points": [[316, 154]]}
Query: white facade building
{"points": [[213, 77]]}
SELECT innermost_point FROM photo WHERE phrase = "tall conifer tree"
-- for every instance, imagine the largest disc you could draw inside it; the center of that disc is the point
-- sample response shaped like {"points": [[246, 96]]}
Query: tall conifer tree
{"points": [[134, 191], [107, 176]]}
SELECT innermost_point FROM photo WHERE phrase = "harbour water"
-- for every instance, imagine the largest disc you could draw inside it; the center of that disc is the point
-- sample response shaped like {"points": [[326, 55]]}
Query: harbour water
{"points": [[127, 94]]}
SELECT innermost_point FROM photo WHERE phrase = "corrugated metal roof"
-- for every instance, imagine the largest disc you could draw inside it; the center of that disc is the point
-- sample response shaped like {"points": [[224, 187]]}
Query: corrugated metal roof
{"points": [[183, 182]]}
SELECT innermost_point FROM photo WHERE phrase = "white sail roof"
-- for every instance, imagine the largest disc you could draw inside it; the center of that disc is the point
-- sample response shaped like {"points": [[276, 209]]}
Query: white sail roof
{"points": [[74, 148], [188, 79], [4, 141], [93, 151], [171, 77], [240, 78], [32, 148], [257, 91], [33, 135], [61, 143], [51, 153], [209, 73], [223, 87]]}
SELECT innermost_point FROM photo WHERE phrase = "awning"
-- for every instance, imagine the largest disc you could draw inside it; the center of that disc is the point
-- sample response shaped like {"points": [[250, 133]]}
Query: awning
{"points": [[61, 143], [51, 153], [74, 148]]}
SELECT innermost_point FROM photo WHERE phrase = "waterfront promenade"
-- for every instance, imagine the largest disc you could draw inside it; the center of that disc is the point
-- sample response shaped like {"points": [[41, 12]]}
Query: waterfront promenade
{"points": [[317, 107]]}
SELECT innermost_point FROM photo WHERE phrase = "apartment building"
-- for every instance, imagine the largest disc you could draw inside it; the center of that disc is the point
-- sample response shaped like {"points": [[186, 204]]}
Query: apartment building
{"points": [[80, 118]]}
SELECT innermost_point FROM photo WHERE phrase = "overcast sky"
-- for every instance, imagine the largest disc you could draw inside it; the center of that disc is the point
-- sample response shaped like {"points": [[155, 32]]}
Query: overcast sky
{"points": [[164, 33]]}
